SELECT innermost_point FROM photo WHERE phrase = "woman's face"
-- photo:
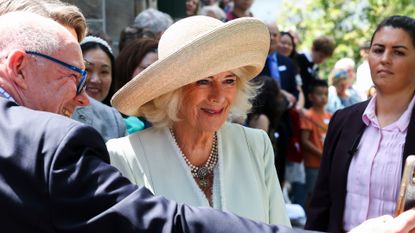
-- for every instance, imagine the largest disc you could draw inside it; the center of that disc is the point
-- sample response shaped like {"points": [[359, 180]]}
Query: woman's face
{"points": [[98, 66], [392, 61], [341, 86], [207, 102], [191, 7], [285, 45], [147, 60]]}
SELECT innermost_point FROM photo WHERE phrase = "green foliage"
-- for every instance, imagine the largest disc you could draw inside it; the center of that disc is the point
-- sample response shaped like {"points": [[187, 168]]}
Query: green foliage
{"points": [[348, 22]]}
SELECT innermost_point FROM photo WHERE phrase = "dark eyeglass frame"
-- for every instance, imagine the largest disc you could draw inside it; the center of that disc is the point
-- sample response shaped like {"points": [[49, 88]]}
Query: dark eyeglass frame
{"points": [[82, 82]]}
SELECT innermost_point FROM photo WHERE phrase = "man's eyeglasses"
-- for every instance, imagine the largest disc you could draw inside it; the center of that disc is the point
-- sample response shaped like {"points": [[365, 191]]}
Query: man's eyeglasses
{"points": [[82, 82]]}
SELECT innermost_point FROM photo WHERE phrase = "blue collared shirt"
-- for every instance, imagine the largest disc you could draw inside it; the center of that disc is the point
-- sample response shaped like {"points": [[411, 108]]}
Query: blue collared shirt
{"points": [[272, 61]]}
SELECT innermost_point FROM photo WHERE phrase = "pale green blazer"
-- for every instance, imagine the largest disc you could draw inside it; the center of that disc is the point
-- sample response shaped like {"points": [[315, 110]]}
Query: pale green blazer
{"points": [[245, 180]]}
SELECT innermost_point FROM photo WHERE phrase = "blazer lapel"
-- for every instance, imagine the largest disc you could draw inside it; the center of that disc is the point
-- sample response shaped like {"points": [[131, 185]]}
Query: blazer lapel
{"points": [[409, 148]]}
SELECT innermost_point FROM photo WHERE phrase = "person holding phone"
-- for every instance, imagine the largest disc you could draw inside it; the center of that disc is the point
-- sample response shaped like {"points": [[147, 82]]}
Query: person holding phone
{"points": [[367, 143]]}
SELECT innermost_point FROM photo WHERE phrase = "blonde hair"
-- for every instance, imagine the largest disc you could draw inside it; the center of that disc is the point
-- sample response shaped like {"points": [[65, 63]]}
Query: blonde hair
{"points": [[67, 15], [162, 111]]}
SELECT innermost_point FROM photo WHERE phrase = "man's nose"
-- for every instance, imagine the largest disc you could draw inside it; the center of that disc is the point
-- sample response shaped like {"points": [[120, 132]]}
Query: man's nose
{"points": [[82, 99]]}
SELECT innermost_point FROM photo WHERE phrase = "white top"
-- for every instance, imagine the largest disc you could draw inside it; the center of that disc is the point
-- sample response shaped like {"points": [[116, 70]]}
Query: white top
{"points": [[363, 79], [245, 180]]}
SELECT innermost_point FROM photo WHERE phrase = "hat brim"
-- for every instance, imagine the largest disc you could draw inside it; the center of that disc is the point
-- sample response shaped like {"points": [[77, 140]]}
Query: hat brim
{"points": [[239, 46]]}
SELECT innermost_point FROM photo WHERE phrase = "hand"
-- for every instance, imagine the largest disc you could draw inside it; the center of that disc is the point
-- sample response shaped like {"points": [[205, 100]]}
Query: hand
{"points": [[291, 98], [405, 222]]}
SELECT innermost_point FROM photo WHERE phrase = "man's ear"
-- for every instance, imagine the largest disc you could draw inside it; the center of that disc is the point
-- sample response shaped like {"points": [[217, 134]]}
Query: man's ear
{"points": [[17, 60]]}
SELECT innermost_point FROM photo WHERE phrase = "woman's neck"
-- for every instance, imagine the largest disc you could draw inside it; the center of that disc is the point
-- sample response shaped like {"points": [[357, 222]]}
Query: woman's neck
{"points": [[195, 144], [390, 107]]}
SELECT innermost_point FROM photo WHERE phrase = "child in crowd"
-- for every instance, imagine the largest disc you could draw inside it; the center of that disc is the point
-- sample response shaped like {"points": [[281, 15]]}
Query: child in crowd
{"points": [[314, 126]]}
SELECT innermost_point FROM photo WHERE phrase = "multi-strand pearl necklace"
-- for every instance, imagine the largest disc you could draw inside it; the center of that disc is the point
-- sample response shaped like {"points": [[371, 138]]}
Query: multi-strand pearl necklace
{"points": [[201, 172]]}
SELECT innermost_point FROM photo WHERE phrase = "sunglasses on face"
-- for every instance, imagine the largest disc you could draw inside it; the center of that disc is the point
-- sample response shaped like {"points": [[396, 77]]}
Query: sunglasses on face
{"points": [[82, 83]]}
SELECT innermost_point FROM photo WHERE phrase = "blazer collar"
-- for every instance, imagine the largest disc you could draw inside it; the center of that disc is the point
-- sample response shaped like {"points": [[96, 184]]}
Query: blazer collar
{"points": [[409, 148]]}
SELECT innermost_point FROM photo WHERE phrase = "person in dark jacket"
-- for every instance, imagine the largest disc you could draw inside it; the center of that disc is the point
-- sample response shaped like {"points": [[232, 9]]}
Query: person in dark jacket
{"points": [[367, 143]]}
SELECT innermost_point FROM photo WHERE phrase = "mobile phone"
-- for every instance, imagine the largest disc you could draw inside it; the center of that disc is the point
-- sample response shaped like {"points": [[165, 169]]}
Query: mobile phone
{"points": [[406, 198]]}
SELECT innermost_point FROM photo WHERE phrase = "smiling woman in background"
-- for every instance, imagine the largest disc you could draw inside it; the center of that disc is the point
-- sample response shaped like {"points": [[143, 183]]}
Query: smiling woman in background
{"points": [[99, 63]]}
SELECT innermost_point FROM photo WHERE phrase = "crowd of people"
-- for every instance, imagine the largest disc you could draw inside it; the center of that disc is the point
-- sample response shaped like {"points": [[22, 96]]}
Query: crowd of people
{"points": [[210, 123]]}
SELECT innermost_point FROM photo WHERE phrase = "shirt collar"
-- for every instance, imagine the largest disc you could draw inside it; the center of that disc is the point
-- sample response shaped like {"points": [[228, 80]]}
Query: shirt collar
{"points": [[308, 56], [274, 56], [369, 115]]}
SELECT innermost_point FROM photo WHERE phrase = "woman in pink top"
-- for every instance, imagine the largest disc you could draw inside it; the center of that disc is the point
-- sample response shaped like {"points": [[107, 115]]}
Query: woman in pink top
{"points": [[367, 143]]}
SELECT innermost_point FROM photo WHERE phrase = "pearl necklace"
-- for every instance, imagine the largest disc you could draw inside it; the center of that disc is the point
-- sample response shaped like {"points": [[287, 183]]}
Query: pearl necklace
{"points": [[201, 172]]}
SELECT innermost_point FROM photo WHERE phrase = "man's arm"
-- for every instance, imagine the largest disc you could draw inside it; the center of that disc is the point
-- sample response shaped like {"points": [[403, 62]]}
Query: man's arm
{"points": [[89, 195]]}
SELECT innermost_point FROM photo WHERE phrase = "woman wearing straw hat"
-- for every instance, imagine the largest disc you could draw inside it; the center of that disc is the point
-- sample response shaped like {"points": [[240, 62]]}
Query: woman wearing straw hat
{"points": [[191, 154]]}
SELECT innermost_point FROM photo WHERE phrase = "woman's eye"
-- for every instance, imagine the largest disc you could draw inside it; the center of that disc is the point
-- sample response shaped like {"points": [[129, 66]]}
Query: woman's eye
{"points": [[377, 51], [202, 82], [399, 53], [230, 81]]}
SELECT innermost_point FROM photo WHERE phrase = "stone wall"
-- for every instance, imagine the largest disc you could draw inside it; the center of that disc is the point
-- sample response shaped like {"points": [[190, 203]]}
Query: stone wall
{"points": [[111, 16]]}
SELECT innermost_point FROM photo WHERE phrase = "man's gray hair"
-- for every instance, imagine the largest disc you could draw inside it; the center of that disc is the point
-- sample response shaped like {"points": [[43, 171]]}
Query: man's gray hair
{"points": [[28, 31], [34, 6], [153, 20]]}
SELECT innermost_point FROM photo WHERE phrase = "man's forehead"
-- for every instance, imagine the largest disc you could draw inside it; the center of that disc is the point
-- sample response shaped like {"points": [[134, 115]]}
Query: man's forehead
{"points": [[80, 62], [72, 55]]}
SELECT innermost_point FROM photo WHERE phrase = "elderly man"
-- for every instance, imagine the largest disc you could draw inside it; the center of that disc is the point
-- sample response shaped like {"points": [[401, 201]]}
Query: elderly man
{"points": [[54, 172], [105, 119]]}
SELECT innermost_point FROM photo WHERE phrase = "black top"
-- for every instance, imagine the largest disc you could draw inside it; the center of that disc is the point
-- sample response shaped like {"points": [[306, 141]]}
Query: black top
{"points": [[308, 74]]}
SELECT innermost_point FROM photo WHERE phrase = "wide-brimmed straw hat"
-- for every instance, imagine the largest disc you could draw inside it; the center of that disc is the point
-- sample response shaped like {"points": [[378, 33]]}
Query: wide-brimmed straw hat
{"points": [[195, 48]]}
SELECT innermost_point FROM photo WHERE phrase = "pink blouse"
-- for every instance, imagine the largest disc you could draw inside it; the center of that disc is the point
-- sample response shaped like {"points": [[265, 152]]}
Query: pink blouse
{"points": [[375, 171]]}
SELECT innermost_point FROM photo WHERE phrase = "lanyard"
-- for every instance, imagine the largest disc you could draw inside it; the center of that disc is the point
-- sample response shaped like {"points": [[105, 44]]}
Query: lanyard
{"points": [[4, 94]]}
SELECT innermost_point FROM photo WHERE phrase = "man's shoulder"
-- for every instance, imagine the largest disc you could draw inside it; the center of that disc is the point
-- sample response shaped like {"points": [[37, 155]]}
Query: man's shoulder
{"points": [[19, 114], [302, 56], [18, 120], [29, 132]]}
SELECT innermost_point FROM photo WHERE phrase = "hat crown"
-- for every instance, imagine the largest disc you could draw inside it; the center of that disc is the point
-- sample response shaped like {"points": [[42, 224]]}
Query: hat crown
{"points": [[183, 32]]}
